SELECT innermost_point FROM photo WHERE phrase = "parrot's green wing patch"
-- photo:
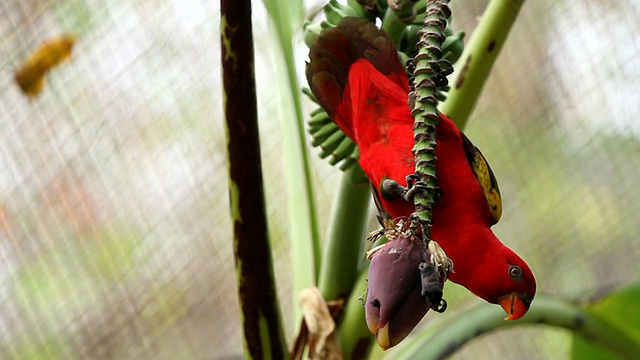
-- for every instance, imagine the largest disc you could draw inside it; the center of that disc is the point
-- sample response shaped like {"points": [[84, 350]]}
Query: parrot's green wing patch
{"points": [[485, 176]]}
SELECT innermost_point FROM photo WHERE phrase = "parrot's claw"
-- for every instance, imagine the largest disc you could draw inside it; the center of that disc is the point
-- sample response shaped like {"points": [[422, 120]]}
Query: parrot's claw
{"points": [[414, 186], [434, 270], [391, 190], [430, 279], [432, 286], [413, 189], [440, 307], [412, 179]]}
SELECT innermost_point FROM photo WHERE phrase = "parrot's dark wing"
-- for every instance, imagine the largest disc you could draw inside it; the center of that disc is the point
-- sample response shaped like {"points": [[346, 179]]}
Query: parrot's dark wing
{"points": [[331, 57], [485, 176], [383, 215]]}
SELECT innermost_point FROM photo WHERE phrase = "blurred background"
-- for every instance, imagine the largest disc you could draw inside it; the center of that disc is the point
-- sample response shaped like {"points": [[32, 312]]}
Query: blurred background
{"points": [[115, 238]]}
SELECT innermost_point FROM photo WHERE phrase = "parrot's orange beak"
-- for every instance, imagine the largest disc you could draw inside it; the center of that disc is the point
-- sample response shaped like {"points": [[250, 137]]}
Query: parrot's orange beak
{"points": [[515, 305]]}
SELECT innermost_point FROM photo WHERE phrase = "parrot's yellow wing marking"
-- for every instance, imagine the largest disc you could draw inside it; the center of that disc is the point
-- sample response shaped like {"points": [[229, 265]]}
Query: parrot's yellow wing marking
{"points": [[485, 176]]}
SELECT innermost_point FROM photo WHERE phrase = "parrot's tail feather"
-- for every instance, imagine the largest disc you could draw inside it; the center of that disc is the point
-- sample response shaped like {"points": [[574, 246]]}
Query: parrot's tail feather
{"points": [[331, 57]]}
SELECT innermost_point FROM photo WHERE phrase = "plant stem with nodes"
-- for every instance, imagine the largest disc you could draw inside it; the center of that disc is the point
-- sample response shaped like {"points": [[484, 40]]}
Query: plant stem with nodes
{"points": [[429, 78]]}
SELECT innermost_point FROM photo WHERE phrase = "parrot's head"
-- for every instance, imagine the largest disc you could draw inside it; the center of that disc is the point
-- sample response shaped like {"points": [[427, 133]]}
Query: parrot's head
{"points": [[517, 297], [516, 286], [496, 274]]}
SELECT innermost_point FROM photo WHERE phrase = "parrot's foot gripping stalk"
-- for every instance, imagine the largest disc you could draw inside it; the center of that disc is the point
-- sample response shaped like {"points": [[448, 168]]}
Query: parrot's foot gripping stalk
{"points": [[390, 189], [434, 270], [432, 287]]}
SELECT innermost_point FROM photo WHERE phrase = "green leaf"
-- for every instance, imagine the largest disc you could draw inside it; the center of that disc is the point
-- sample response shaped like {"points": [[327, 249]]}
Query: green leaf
{"points": [[286, 16], [620, 310], [583, 349]]}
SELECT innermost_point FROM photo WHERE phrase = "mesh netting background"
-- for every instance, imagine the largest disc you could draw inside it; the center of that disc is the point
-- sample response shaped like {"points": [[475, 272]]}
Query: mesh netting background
{"points": [[115, 236]]}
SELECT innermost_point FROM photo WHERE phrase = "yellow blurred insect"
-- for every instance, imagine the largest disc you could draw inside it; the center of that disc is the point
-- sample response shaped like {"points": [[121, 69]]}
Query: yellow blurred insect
{"points": [[30, 75]]}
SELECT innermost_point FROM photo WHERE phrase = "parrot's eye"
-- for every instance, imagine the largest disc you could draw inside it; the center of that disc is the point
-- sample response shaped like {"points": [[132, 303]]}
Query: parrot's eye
{"points": [[515, 273]]}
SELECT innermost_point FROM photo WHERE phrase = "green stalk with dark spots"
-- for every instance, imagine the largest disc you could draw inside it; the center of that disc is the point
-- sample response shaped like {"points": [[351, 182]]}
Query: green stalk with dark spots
{"points": [[261, 320], [478, 57]]}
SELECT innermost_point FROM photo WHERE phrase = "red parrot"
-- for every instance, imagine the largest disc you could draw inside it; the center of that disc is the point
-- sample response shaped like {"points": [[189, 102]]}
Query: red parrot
{"points": [[358, 78]]}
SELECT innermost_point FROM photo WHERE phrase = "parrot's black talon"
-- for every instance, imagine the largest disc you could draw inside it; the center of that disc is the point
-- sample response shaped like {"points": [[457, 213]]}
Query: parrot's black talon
{"points": [[412, 179], [413, 189], [432, 287], [414, 185], [436, 299], [440, 307], [391, 190], [430, 281]]}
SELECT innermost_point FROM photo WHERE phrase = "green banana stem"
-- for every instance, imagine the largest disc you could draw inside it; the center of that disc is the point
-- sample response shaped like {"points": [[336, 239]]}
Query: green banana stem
{"points": [[344, 248], [357, 7], [355, 339], [395, 20], [261, 318], [478, 58]]}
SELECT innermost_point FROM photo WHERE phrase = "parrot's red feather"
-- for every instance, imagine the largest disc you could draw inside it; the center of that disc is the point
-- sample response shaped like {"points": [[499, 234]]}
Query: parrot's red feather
{"points": [[356, 74]]}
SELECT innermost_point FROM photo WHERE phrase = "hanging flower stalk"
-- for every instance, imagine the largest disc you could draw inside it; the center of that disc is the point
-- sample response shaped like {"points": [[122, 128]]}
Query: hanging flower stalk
{"points": [[430, 77]]}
